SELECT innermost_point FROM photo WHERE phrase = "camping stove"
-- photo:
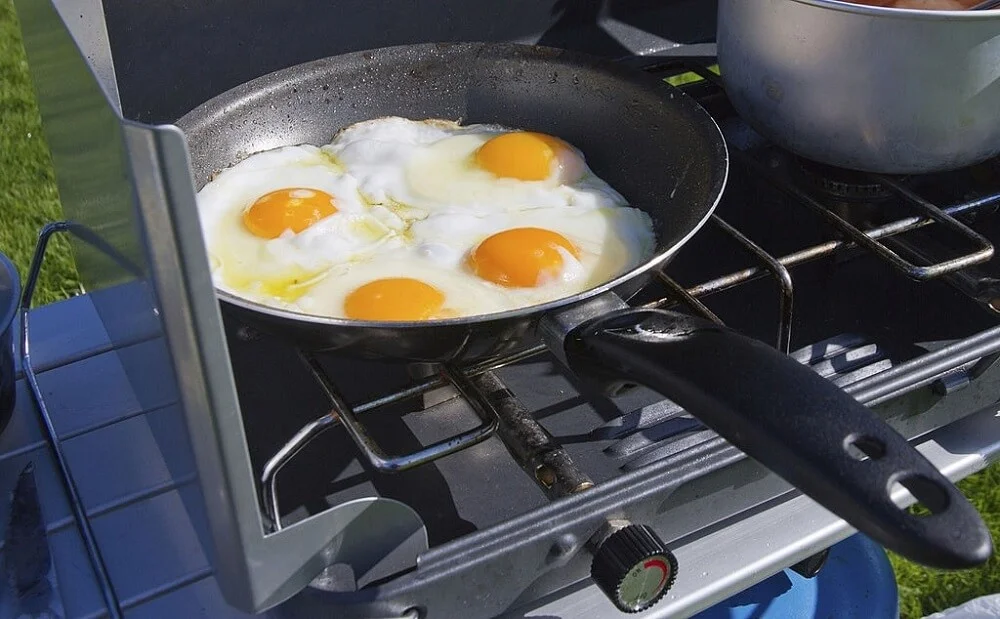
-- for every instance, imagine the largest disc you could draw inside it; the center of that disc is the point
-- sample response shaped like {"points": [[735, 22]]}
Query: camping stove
{"points": [[201, 468]]}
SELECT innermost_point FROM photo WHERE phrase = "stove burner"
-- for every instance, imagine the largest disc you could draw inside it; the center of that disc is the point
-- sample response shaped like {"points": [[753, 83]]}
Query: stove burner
{"points": [[841, 183]]}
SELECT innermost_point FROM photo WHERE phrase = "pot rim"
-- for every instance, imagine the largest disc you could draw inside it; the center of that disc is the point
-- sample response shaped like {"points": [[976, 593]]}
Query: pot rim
{"points": [[877, 11]]}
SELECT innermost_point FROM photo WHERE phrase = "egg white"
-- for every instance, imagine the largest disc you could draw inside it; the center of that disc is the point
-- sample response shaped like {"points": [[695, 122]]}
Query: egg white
{"points": [[276, 271], [464, 296], [409, 204], [610, 241], [376, 152], [429, 165]]}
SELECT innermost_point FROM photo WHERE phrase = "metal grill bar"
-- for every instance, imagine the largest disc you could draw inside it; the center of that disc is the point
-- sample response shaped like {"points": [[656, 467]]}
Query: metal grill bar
{"points": [[528, 442], [781, 275], [779, 268], [690, 297], [983, 248], [298, 442], [376, 456], [929, 212], [686, 297], [885, 385], [822, 250], [341, 413]]}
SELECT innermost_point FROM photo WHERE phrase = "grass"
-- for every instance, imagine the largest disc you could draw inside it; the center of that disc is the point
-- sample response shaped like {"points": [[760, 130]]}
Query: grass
{"points": [[690, 76], [923, 591], [28, 199], [28, 195]]}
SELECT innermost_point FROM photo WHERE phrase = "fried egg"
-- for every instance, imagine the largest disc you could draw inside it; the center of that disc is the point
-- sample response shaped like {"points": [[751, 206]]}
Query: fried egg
{"points": [[401, 286], [276, 222], [466, 265], [435, 164], [538, 255], [402, 220]]}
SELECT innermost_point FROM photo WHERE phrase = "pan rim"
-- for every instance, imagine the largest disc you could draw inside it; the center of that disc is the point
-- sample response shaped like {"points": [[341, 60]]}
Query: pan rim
{"points": [[657, 260]]}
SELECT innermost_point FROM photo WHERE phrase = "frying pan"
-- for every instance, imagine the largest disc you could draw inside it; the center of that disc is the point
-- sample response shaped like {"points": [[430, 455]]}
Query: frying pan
{"points": [[667, 156]]}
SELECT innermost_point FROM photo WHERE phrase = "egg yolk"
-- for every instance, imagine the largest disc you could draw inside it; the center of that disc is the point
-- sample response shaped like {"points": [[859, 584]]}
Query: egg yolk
{"points": [[394, 298], [520, 257], [292, 209], [523, 155]]}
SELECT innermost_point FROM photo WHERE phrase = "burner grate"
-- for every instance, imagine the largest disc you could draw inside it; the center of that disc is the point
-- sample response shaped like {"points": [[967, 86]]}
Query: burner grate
{"points": [[842, 184], [479, 386]]}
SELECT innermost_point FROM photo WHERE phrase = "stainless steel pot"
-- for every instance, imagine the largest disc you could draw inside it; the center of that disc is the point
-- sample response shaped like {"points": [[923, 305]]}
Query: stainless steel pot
{"points": [[882, 90]]}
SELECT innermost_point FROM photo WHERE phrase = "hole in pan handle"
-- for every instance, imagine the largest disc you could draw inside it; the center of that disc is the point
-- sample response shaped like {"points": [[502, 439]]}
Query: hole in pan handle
{"points": [[788, 418]]}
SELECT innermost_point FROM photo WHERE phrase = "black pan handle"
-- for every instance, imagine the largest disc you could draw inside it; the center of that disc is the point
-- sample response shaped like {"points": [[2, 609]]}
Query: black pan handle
{"points": [[791, 420]]}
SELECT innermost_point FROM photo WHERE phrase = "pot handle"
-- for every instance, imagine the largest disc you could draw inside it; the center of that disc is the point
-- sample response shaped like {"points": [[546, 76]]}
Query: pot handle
{"points": [[792, 421]]}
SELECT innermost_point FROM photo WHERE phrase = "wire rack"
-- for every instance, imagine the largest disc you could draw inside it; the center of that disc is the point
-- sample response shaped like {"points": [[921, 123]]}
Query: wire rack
{"points": [[539, 455]]}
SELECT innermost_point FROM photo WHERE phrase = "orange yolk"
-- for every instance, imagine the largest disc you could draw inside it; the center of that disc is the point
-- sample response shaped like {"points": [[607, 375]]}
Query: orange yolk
{"points": [[394, 298], [520, 257], [292, 209], [524, 155]]}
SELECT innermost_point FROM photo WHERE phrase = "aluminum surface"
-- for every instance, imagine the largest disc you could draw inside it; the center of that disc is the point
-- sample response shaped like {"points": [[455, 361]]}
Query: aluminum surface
{"points": [[85, 21], [255, 571], [83, 131], [72, 410], [721, 563], [465, 557], [377, 457], [153, 94], [199, 596], [882, 90]]}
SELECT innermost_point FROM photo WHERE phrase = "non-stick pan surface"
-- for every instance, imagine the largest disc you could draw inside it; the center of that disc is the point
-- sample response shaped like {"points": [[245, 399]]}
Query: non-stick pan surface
{"points": [[666, 155], [653, 144]]}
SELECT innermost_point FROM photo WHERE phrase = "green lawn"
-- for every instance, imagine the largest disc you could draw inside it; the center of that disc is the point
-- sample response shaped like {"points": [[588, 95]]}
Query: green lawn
{"points": [[28, 198]]}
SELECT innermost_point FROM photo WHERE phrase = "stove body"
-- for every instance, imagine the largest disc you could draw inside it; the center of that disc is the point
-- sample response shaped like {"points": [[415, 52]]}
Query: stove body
{"points": [[296, 528]]}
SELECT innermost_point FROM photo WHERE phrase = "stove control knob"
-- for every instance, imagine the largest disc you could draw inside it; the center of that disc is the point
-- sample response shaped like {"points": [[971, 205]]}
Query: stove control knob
{"points": [[633, 568]]}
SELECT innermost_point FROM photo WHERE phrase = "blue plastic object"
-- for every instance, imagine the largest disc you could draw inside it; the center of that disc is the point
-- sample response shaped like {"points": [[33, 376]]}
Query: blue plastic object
{"points": [[10, 297], [857, 581]]}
